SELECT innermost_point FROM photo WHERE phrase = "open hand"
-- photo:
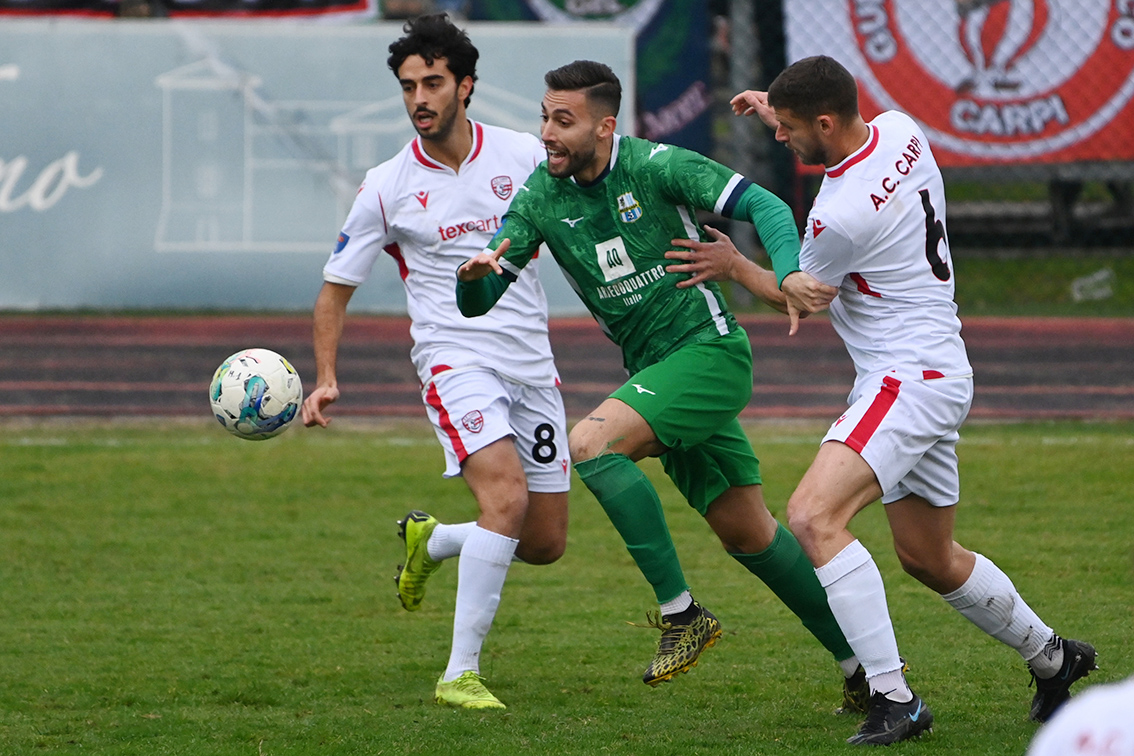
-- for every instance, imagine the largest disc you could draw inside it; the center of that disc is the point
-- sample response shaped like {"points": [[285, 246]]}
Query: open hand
{"points": [[708, 261], [484, 263]]}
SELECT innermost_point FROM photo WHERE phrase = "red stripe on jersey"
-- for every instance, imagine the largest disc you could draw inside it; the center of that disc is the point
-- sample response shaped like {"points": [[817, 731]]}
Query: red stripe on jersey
{"points": [[856, 159], [434, 400], [478, 141], [874, 414], [863, 286], [929, 375], [394, 251], [424, 159], [382, 207], [438, 369]]}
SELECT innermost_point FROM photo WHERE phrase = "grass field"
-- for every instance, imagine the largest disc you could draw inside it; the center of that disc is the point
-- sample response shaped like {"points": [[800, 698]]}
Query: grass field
{"points": [[172, 590]]}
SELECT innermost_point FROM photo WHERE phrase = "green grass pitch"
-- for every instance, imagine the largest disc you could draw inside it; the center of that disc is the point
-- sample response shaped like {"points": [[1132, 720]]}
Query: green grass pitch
{"points": [[168, 589]]}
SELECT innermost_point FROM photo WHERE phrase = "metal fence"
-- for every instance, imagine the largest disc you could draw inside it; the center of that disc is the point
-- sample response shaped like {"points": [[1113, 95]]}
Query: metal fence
{"points": [[1027, 104]]}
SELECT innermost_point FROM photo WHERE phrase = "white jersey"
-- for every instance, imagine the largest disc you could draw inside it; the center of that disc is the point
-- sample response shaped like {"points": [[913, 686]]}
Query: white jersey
{"points": [[1096, 722], [431, 219], [877, 232]]}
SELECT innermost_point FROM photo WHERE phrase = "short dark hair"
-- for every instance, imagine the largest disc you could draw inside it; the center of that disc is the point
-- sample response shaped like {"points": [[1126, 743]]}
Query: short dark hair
{"points": [[434, 36], [599, 84], [815, 86]]}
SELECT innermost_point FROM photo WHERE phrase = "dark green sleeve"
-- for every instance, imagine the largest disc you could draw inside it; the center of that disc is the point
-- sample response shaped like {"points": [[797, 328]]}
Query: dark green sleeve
{"points": [[775, 225], [477, 297]]}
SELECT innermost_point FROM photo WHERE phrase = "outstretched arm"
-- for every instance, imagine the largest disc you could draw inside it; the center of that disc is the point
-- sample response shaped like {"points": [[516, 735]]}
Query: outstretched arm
{"points": [[720, 260], [481, 281], [327, 330]]}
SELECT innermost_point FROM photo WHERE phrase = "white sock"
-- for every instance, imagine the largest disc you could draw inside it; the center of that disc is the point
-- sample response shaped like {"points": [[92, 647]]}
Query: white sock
{"points": [[858, 600], [990, 601], [683, 601], [849, 666], [446, 541], [481, 570]]}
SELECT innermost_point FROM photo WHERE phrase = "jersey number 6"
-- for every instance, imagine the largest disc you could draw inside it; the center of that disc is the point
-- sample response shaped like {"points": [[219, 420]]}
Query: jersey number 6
{"points": [[934, 235]]}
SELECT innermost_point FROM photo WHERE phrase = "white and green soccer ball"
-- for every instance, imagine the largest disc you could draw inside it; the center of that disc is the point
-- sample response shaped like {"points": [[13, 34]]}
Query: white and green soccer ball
{"points": [[255, 394]]}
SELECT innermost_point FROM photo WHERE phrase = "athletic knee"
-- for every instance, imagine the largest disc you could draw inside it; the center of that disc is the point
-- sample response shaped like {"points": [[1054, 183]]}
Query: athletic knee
{"points": [[932, 568], [584, 445], [805, 519], [541, 551]]}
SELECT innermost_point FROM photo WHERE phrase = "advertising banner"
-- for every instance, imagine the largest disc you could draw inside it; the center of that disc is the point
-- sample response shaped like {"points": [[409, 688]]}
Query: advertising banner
{"points": [[992, 82], [325, 10]]}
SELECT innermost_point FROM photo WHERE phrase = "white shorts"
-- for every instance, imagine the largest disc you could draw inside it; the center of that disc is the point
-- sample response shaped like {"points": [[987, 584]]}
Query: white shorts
{"points": [[471, 408], [907, 431]]}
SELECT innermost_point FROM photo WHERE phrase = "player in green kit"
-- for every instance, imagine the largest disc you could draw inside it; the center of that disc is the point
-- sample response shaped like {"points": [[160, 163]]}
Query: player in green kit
{"points": [[608, 207]]}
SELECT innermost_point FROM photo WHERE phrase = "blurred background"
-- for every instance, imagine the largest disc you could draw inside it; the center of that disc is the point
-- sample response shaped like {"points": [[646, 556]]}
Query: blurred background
{"points": [[187, 158]]}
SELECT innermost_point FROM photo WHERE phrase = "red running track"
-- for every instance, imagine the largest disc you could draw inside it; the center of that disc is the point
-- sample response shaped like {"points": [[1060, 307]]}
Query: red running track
{"points": [[1036, 368]]}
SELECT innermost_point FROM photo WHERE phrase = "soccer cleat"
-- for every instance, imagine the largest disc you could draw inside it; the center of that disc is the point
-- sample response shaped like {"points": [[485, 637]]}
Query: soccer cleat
{"points": [[1078, 661], [680, 645], [415, 530], [856, 691], [890, 722], [467, 692]]}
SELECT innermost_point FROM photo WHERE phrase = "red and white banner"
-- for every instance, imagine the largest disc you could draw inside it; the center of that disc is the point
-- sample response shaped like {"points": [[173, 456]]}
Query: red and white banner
{"points": [[990, 81]]}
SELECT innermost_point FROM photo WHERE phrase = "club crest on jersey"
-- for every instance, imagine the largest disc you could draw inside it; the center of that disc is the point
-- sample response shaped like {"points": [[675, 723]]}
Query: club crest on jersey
{"points": [[340, 242], [473, 421], [502, 187], [628, 208]]}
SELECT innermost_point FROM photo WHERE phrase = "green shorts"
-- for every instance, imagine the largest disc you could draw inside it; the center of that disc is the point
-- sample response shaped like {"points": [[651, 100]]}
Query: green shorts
{"points": [[691, 400]]}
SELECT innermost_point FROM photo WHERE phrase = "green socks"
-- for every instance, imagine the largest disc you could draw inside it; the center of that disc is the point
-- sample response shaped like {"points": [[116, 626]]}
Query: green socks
{"points": [[786, 570], [634, 509]]}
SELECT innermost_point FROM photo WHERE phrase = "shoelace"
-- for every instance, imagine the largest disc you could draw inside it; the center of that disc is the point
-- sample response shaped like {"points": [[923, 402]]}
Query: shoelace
{"points": [[473, 683], [670, 633]]}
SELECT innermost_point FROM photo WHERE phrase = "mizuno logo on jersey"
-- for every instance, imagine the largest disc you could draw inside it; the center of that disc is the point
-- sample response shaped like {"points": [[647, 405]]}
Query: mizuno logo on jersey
{"points": [[628, 208], [658, 148], [642, 389], [817, 227], [571, 221], [422, 197]]}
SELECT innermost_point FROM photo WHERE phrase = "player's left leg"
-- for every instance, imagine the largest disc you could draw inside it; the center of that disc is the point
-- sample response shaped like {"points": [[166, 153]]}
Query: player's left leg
{"points": [[606, 446], [680, 401], [983, 594]]}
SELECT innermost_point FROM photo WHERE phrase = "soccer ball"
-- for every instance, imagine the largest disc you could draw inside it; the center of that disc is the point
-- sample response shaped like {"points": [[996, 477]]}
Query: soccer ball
{"points": [[255, 394]]}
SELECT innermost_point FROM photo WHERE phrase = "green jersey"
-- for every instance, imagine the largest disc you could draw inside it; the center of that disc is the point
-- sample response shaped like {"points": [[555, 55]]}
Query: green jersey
{"points": [[610, 239]]}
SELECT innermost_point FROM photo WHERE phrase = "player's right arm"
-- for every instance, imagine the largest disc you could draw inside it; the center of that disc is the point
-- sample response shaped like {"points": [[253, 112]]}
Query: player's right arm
{"points": [[364, 233], [329, 316]]}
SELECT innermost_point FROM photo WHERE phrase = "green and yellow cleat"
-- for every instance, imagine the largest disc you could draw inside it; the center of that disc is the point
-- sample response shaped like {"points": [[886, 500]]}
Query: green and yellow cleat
{"points": [[856, 691], [415, 530], [680, 645], [467, 692]]}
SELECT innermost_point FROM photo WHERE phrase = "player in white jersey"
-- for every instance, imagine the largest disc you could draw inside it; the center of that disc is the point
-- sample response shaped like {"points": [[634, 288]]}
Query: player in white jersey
{"points": [[1096, 723], [876, 241], [489, 383]]}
